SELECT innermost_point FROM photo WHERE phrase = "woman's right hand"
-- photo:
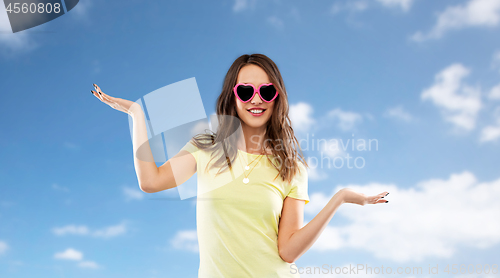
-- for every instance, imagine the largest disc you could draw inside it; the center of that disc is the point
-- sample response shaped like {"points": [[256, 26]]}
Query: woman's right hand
{"points": [[119, 104], [350, 196]]}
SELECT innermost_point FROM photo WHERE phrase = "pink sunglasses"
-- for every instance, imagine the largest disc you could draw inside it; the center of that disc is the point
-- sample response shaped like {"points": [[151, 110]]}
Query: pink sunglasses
{"points": [[246, 92]]}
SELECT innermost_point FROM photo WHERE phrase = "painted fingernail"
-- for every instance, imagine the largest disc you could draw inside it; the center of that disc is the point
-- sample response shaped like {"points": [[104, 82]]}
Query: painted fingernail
{"points": [[383, 196], [387, 201], [101, 94], [91, 92], [386, 194]]}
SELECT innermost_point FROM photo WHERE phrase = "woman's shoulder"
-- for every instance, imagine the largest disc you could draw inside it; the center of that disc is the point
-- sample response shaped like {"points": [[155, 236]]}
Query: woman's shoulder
{"points": [[301, 168]]}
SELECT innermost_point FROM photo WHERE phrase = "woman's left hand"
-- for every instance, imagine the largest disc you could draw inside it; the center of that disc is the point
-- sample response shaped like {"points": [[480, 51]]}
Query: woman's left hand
{"points": [[350, 196]]}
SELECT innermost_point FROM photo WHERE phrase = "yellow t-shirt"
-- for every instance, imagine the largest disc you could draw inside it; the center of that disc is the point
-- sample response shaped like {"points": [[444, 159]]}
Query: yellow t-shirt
{"points": [[237, 223]]}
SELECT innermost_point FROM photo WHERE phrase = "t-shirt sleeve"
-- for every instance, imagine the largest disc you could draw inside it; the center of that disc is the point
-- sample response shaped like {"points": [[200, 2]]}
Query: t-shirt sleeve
{"points": [[299, 185], [189, 147]]}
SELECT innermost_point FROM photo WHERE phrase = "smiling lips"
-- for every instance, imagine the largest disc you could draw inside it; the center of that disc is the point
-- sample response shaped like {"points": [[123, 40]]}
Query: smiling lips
{"points": [[256, 112]]}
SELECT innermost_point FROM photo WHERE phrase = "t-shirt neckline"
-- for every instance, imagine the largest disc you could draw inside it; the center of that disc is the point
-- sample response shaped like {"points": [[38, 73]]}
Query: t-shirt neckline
{"points": [[252, 153]]}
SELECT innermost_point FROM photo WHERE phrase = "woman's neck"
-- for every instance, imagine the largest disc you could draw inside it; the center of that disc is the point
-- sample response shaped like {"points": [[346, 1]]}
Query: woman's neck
{"points": [[252, 140]]}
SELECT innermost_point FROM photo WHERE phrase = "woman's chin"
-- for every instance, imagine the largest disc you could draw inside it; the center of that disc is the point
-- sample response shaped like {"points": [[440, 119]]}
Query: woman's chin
{"points": [[255, 123]]}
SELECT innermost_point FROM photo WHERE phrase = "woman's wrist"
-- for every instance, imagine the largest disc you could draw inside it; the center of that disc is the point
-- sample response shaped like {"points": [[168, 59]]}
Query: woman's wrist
{"points": [[340, 195], [350, 196]]}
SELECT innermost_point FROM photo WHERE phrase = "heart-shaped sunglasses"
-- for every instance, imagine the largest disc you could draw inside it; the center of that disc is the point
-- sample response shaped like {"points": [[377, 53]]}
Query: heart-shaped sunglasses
{"points": [[245, 92]]}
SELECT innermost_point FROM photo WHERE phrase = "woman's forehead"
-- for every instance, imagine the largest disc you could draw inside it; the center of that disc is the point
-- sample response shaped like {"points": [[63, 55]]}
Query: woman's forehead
{"points": [[252, 74]]}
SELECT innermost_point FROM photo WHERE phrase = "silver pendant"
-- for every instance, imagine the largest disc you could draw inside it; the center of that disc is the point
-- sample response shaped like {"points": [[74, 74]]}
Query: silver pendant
{"points": [[247, 167], [246, 180]]}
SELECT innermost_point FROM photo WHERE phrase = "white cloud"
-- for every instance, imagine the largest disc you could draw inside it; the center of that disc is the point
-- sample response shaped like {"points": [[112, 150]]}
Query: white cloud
{"points": [[317, 202], [69, 254], [477, 276], [345, 120], [201, 126], [398, 113], [71, 229], [301, 116], [348, 270], [276, 22], [107, 232], [82, 9], [350, 6], [458, 102], [404, 5], [241, 5], [333, 147], [491, 132], [132, 193], [3, 247], [314, 172], [495, 93], [363, 5], [88, 264], [186, 240], [475, 13], [329, 152], [75, 255], [12, 42], [111, 231], [425, 221]]}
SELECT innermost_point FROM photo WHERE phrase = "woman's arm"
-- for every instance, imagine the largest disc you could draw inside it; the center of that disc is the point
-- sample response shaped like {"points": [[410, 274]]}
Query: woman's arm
{"points": [[151, 178], [294, 241], [172, 173], [145, 167]]}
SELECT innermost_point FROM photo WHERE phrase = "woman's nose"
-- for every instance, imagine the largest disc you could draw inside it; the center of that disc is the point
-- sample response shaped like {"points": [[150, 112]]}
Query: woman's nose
{"points": [[256, 99]]}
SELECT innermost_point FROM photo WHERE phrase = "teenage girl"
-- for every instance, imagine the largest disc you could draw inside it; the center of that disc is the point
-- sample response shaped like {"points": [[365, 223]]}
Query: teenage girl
{"points": [[252, 177]]}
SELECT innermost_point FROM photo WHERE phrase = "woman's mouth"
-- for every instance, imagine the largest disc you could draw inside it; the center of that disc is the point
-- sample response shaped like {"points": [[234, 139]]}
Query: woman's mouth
{"points": [[256, 112]]}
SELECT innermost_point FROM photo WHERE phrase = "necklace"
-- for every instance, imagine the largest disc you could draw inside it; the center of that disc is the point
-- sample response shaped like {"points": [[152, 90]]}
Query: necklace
{"points": [[246, 180]]}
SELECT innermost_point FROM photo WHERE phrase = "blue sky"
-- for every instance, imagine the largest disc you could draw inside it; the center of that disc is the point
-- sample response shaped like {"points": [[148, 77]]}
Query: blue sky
{"points": [[420, 77]]}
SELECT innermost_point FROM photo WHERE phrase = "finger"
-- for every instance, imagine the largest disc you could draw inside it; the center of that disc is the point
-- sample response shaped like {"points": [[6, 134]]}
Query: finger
{"points": [[383, 194], [97, 88], [99, 95], [95, 93], [106, 97], [103, 98], [382, 200], [377, 199], [372, 199]]}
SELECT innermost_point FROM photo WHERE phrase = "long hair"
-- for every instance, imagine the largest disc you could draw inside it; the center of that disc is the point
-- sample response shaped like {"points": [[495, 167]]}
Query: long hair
{"points": [[278, 130]]}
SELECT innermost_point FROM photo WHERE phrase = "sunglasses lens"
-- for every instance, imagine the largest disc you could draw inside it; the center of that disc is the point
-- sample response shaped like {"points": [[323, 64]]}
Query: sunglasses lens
{"points": [[268, 92], [244, 92]]}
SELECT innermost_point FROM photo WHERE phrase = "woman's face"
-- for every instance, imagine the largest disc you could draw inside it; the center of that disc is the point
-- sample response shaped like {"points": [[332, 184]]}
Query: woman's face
{"points": [[255, 75]]}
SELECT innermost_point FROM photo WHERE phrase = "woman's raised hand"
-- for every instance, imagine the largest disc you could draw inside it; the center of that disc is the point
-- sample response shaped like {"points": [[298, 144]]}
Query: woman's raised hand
{"points": [[119, 104], [350, 196]]}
